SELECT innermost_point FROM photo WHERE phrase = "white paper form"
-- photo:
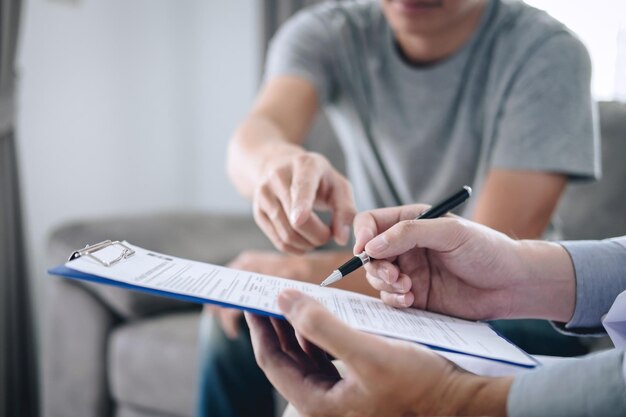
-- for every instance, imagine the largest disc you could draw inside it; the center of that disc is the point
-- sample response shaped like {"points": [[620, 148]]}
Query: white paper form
{"points": [[259, 292]]}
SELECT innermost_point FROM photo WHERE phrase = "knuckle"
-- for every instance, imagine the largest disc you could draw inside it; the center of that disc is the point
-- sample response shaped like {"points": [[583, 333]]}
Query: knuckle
{"points": [[233, 315], [274, 179], [348, 212], [345, 185], [379, 270], [455, 222], [388, 299], [264, 184], [403, 228], [277, 171], [282, 246], [310, 158], [301, 183], [459, 226], [293, 237], [303, 159], [262, 359], [281, 232], [374, 282], [261, 197], [279, 181], [273, 211]]}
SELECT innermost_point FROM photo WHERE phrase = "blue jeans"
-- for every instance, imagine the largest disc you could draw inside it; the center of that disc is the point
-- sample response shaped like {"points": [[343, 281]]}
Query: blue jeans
{"points": [[231, 384]]}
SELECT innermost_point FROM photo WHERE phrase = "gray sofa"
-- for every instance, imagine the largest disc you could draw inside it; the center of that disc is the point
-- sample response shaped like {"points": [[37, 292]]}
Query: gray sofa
{"points": [[110, 352]]}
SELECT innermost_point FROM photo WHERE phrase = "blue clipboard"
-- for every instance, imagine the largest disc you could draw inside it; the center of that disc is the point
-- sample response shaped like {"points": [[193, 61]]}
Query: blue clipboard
{"points": [[64, 271]]}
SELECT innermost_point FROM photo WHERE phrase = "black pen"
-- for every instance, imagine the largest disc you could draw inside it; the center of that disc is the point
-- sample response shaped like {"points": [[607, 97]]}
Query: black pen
{"points": [[435, 211]]}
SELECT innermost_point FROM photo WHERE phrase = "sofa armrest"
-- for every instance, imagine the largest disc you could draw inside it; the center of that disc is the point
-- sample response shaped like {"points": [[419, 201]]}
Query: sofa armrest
{"points": [[207, 237]]}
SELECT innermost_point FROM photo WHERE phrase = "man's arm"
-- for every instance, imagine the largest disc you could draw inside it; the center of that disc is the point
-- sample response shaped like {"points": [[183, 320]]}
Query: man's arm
{"points": [[519, 203], [285, 182], [383, 376], [546, 133], [274, 130]]}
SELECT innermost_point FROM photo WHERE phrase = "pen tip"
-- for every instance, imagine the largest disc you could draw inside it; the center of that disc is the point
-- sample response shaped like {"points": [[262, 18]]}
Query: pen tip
{"points": [[334, 277]]}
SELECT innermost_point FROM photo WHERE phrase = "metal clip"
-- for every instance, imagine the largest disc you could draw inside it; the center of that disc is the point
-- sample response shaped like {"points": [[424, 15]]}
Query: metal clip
{"points": [[89, 251]]}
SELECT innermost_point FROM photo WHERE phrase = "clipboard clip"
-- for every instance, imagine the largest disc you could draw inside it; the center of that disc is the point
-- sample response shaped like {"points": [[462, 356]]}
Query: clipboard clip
{"points": [[90, 251]]}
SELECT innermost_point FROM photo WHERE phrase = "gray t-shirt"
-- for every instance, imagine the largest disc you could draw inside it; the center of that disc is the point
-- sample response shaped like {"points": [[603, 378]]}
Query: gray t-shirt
{"points": [[515, 96]]}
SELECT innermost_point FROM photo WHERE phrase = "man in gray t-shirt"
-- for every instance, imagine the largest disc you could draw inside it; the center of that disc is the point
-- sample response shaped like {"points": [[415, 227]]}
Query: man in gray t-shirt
{"points": [[513, 97], [425, 96]]}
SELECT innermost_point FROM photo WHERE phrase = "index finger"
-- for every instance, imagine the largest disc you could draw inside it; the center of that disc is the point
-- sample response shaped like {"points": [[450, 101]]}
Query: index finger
{"points": [[304, 185], [369, 224]]}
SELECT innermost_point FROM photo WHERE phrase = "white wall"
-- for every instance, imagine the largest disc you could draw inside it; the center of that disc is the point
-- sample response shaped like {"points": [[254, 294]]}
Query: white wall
{"points": [[126, 107], [225, 39], [599, 25]]}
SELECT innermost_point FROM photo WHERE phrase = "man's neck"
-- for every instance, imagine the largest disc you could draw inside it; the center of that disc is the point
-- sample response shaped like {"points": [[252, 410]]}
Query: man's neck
{"points": [[429, 48]]}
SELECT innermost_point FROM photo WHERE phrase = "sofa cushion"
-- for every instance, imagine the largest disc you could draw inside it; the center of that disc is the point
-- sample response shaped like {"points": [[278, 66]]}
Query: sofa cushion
{"points": [[213, 238], [75, 332], [127, 411], [598, 210], [153, 364]]}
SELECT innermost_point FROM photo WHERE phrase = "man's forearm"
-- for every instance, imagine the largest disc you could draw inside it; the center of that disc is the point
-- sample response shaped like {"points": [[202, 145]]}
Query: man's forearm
{"points": [[472, 395], [519, 203], [572, 282], [547, 287], [257, 143]]}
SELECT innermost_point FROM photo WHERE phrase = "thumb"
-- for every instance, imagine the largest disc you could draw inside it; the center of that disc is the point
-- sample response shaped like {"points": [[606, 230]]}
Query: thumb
{"points": [[442, 235], [311, 320]]}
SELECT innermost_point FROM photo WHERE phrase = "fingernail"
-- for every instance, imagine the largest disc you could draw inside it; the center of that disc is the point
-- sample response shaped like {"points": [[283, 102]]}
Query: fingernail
{"points": [[398, 286], [287, 299], [378, 244], [384, 274], [401, 298], [295, 215]]}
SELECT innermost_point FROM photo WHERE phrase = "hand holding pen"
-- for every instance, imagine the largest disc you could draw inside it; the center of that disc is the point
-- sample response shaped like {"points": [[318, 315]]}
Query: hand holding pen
{"points": [[435, 211]]}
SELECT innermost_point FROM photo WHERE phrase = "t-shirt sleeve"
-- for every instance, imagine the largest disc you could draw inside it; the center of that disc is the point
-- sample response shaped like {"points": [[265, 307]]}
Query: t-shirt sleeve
{"points": [[548, 119], [303, 47]]}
